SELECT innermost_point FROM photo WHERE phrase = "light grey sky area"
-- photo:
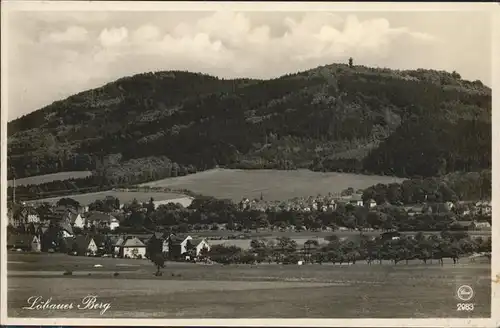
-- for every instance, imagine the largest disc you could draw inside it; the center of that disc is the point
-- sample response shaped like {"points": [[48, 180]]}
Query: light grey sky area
{"points": [[52, 55]]}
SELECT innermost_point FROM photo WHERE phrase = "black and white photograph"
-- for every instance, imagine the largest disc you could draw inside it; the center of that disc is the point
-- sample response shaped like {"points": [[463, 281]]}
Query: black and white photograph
{"points": [[248, 161]]}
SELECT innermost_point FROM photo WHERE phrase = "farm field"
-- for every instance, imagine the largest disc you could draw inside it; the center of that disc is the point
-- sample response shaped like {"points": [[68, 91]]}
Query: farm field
{"points": [[39, 179], [272, 184], [123, 196], [285, 291]]}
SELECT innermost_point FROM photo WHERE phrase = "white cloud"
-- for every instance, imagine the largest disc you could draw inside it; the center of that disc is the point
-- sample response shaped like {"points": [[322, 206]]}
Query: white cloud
{"points": [[146, 33], [71, 34], [113, 36], [423, 36], [227, 44]]}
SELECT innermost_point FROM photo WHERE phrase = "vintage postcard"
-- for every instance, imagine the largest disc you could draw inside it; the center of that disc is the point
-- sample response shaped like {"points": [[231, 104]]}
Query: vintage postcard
{"points": [[249, 164]]}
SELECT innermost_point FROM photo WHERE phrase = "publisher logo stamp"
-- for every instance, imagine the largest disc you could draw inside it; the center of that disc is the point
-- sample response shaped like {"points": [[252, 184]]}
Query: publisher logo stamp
{"points": [[465, 293]]}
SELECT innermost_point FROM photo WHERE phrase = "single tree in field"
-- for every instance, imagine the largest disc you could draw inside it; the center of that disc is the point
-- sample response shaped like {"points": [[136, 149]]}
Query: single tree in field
{"points": [[154, 251], [159, 262], [350, 62]]}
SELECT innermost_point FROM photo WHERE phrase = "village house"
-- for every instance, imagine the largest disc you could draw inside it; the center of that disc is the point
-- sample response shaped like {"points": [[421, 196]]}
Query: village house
{"points": [[450, 205], [101, 242], [482, 225], [102, 220], [483, 208], [160, 238], [177, 245], [33, 218], [371, 203], [36, 245], [22, 216], [117, 243], [66, 229], [198, 245], [28, 215], [77, 221], [355, 200], [24, 242], [462, 209], [132, 247], [84, 246], [61, 213]]}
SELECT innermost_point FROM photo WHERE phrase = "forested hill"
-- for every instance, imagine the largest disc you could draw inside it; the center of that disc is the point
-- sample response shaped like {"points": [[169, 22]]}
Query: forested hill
{"points": [[334, 117]]}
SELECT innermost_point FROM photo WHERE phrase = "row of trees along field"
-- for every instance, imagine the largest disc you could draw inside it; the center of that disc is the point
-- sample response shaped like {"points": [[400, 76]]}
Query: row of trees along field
{"points": [[358, 248], [412, 123], [209, 213]]}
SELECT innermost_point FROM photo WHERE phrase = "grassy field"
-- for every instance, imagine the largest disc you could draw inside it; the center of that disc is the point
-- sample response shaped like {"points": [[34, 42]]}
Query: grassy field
{"points": [[272, 184], [202, 291], [39, 179], [123, 196]]}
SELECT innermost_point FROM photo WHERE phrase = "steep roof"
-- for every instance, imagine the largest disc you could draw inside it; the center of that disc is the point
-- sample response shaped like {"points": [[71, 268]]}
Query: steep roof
{"points": [[119, 241], [177, 239], [196, 242], [73, 217], [100, 240], [133, 242], [82, 242], [66, 226]]}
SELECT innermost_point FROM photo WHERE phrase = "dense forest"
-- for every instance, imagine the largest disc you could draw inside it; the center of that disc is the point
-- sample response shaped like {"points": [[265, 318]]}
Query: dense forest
{"points": [[449, 188], [332, 118]]}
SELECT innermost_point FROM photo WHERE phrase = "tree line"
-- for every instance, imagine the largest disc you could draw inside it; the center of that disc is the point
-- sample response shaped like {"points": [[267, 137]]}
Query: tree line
{"points": [[450, 188], [206, 213], [353, 249]]}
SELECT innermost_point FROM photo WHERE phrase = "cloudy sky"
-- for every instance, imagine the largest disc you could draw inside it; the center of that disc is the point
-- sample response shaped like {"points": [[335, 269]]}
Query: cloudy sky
{"points": [[52, 55]]}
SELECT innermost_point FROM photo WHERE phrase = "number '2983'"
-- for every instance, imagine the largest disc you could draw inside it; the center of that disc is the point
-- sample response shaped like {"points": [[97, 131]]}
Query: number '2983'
{"points": [[465, 306]]}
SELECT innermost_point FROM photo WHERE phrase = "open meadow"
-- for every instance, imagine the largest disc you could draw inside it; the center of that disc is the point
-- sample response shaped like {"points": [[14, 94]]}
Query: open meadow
{"points": [[39, 179], [123, 196], [246, 291], [272, 184]]}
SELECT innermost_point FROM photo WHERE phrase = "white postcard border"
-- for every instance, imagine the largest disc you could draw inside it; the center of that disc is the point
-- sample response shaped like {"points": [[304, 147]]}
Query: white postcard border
{"points": [[9, 6]]}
